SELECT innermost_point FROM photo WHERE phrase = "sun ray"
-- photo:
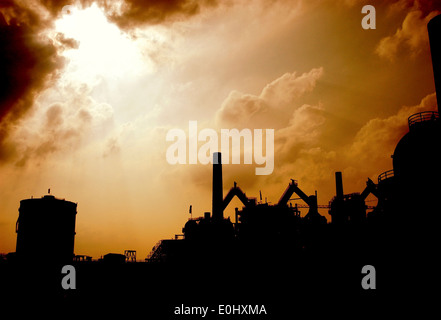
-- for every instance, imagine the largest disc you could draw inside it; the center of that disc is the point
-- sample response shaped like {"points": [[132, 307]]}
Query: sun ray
{"points": [[98, 48]]}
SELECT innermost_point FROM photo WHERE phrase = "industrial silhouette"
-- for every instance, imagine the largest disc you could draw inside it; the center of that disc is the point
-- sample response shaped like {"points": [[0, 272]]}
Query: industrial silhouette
{"points": [[47, 223], [270, 252]]}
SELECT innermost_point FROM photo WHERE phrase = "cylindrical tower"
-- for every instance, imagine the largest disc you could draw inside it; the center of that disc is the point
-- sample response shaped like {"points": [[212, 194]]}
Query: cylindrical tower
{"points": [[46, 229], [434, 29], [339, 185]]}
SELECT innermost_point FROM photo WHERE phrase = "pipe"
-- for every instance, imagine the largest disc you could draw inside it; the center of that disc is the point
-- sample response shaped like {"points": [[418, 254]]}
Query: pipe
{"points": [[434, 29], [339, 185], [218, 198]]}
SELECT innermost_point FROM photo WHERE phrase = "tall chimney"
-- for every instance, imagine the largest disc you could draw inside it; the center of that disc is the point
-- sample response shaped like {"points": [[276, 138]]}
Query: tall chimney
{"points": [[339, 185], [434, 28], [218, 197]]}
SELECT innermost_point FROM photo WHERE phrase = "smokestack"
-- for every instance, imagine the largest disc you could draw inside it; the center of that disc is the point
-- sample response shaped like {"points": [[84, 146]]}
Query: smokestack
{"points": [[434, 28], [339, 185], [218, 196]]}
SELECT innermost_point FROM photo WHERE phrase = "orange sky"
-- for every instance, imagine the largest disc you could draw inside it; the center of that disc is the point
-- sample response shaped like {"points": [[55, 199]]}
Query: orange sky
{"points": [[88, 97]]}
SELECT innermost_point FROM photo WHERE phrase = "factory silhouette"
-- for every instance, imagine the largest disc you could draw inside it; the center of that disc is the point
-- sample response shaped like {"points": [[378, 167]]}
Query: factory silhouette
{"points": [[269, 252]]}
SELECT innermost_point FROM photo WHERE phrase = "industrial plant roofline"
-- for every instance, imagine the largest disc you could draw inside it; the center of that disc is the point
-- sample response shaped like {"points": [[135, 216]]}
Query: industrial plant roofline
{"points": [[293, 188], [236, 191], [424, 116]]}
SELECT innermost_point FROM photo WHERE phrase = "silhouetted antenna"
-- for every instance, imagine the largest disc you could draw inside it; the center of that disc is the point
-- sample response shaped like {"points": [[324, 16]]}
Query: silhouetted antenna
{"points": [[49, 191]]}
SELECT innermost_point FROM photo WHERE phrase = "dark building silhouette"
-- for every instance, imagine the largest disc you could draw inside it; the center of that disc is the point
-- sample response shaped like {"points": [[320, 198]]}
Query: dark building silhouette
{"points": [[114, 258], [408, 194], [350, 208], [258, 227], [402, 224], [46, 229]]}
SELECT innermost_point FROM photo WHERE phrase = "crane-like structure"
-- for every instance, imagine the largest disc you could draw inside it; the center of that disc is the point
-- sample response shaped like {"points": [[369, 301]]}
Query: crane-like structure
{"points": [[313, 214]]}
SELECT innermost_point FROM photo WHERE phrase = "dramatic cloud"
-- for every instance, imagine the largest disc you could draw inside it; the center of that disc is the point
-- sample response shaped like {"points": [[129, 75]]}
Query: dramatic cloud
{"points": [[62, 128], [132, 13], [367, 155], [411, 38], [288, 87], [301, 147], [272, 108], [303, 131], [375, 142], [297, 126], [29, 61]]}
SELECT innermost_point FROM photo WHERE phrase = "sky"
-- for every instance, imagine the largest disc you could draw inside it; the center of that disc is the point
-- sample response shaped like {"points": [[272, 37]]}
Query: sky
{"points": [[90, 89]]}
